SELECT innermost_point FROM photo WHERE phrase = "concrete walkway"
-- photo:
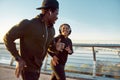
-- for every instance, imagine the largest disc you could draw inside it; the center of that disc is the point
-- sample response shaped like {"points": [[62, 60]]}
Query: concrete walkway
{"points": [[8, 74]]}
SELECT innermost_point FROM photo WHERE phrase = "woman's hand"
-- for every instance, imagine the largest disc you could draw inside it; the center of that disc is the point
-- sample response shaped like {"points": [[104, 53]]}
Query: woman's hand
{"points": [[68, 49], [59, 45]]}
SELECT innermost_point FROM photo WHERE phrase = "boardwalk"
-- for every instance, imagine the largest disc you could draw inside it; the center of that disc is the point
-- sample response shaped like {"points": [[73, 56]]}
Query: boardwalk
{"points": [[8, 74]]}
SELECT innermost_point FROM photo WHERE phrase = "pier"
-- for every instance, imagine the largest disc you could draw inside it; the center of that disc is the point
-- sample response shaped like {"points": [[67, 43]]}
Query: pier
{"points": [[7, 73], [89, 62]]}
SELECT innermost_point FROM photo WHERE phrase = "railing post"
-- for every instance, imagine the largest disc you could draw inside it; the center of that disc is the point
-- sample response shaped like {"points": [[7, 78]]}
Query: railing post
{"points": [[45, 65], [12, 60], [94, 62]]}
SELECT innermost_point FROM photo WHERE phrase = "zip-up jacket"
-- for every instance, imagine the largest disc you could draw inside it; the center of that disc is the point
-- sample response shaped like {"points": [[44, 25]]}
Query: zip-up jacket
{"points": [[34, 40], [61, 55]]}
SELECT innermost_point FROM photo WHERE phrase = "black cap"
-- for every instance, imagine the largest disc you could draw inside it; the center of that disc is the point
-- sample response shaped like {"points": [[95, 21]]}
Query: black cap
{"points": [[49, 4]]}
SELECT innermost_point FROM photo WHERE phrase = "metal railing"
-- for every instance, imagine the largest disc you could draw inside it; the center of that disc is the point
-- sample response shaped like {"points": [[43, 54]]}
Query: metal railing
{"points": [[79, 62], [109, 46]]}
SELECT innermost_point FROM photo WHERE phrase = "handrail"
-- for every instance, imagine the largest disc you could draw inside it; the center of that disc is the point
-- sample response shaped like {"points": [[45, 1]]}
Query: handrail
{"points": [[90, 45], [95, 45], [93, 51]]}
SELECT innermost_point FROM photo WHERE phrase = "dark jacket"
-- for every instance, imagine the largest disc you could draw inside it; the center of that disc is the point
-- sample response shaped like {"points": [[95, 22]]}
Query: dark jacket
{"points": [[34, 40], [61, 55]]}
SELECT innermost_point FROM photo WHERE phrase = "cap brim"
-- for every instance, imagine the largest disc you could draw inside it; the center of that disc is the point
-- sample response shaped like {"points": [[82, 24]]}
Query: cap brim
{"points": [[40, 8]]}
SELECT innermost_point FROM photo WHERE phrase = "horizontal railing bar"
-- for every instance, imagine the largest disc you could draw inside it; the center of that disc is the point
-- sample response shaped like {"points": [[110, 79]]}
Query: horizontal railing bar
{"points": [[95, 45], [90, 45]]}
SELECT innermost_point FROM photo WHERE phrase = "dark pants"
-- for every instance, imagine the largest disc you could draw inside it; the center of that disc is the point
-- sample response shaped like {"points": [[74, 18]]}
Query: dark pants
{"points": [[58, 72], [30, 75]]}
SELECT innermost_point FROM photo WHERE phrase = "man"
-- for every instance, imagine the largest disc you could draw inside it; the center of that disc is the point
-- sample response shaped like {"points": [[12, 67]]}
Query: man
{"points": [[35, 36]]}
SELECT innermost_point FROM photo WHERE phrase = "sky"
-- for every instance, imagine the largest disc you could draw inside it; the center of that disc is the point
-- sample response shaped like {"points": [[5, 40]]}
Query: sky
{"points": [[89, 19]]}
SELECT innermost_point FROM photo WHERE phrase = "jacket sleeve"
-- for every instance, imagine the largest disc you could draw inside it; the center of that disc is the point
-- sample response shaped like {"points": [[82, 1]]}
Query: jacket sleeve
{"points": [[14, 33], [52, 48], [71, 46]]}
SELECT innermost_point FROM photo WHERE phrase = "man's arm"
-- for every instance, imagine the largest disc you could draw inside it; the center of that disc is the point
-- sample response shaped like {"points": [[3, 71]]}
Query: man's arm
{"points": [[14, 33]]}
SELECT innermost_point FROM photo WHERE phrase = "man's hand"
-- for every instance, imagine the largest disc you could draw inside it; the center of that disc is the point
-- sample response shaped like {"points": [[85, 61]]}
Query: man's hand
{"points": [[55, 60], [19, 67]]}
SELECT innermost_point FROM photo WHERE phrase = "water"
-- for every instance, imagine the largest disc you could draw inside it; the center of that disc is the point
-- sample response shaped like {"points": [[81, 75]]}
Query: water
{"points": [[5, 56], [83, 55]]}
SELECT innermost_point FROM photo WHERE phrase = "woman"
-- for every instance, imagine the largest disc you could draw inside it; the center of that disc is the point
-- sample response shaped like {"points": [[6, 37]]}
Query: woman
{"points": [[59, 49]]}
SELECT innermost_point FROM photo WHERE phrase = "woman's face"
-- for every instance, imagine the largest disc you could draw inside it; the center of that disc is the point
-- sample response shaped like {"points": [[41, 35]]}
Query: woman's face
{"points": [[65, 30]]}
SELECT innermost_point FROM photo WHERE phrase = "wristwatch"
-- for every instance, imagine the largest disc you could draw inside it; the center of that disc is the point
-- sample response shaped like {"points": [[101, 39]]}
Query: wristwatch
{"points": [[17, 58]]}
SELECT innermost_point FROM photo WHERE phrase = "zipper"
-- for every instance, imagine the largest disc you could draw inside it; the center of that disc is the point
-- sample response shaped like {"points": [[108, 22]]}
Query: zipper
{"points": [[46, 31]]}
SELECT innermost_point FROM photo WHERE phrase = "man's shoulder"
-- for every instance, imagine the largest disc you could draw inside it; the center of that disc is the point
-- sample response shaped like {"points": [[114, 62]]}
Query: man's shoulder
{"points": [[25, 21]]}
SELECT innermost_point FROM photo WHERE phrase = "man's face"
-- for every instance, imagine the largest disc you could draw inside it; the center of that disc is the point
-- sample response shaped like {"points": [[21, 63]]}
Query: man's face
{"points": [[53, 16]]}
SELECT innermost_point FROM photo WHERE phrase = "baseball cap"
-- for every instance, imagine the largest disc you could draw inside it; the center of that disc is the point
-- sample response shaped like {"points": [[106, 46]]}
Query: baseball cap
{"points": [[49, 4]]}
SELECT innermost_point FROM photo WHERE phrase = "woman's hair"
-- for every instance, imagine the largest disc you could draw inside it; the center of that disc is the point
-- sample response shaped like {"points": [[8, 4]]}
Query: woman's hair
{"points": [[66, 25]]}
